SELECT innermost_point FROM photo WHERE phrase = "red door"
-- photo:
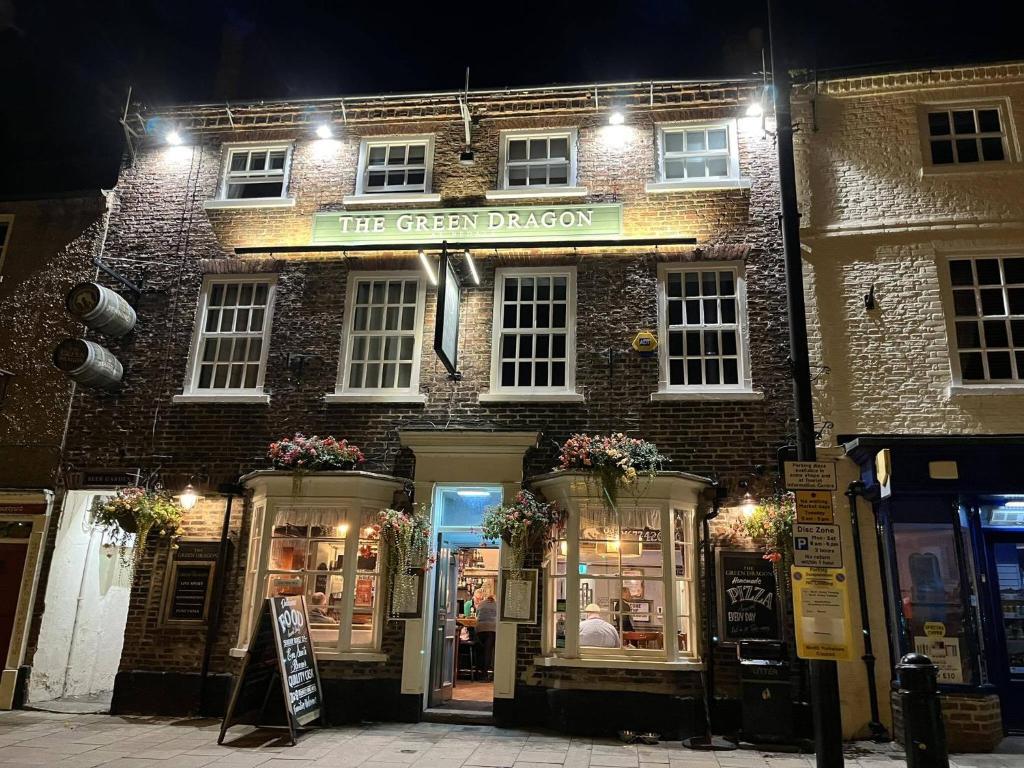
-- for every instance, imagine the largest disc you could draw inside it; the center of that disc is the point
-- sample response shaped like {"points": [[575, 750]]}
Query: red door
{"points": [[12, 566]]}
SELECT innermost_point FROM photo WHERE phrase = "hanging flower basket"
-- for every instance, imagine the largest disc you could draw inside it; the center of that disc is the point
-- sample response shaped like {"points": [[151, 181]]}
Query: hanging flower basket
{"points": [[300, 454], [772, 524], [522, 525], [136, 512], [615, 460], [407, 535]]}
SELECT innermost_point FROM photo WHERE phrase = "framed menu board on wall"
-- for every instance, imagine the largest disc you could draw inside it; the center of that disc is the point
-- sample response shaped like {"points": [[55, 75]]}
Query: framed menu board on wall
{"points": [[188, 584], [748, 601]]}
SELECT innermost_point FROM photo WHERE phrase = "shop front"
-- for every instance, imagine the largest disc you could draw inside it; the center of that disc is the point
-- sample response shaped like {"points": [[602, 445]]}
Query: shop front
{"points": [[950, 514]]}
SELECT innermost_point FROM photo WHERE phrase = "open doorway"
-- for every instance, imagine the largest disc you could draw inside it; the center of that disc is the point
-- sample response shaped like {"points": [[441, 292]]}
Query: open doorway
{"points": [[465, 608], [86, 609]]}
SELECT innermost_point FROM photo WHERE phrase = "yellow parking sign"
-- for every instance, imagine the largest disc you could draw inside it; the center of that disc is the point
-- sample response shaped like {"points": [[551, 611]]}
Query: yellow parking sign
{"points": [[822, 614]]}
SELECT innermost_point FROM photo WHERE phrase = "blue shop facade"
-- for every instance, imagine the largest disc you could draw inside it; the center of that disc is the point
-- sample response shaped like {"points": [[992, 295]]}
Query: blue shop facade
{"points": [[949, 514]]}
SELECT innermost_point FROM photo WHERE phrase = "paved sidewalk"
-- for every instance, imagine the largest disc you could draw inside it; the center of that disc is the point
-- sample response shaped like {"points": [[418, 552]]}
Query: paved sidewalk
{"points": [[84, 741]]}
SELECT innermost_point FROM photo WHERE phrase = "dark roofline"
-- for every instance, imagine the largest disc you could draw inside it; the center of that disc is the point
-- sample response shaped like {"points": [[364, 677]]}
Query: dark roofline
{"points": [[810, 75]]}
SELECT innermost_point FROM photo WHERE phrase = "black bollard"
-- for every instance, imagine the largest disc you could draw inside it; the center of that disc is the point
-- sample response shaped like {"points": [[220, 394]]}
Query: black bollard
{"points": [[924, 735]]}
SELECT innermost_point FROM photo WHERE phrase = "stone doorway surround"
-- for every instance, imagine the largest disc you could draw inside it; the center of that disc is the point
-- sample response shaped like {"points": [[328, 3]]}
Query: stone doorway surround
{"points": [[471, 457]]}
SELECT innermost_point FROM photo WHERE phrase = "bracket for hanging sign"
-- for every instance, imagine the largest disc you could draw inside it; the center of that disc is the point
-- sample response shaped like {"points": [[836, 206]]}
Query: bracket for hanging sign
{"points": [[108, 270]]}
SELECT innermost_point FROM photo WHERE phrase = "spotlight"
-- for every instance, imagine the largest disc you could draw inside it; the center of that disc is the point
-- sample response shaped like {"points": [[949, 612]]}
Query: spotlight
{"points": [[323, 131], [755, 109], [173, 138], [616, 118], [472, 269], [428, 268]]}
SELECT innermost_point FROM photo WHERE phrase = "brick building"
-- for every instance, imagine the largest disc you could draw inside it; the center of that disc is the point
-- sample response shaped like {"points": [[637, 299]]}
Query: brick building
{"points": [[912, 212], [46, 246], [289, 252]]}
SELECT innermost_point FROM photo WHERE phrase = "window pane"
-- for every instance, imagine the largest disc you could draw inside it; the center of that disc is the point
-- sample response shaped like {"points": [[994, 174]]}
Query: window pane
{"points": [[675, 169], [538, 149], [992, 149], [960, 272], [718, 138], [999, 365], [417, 154], [964, 304], [517, 149], [695, 141], [967, 150], [718, 166], [963, 121], [377, 155], [968, 335], [942, 152], [559, 148], [971, 367], [695, 168], [938, 123], [987, 271], [675, 141], [988, 121]]}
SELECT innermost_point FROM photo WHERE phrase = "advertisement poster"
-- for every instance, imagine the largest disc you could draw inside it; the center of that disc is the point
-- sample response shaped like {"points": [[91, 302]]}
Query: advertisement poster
{"points": [[748, 607]]}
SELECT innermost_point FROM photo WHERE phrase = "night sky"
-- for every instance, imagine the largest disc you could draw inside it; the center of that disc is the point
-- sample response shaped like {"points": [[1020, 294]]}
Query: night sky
{"points": [[67, 65]]}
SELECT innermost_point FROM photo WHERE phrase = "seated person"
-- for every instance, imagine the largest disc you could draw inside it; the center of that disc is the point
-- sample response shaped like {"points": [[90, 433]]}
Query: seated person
{"points": [[595, 632], [319, 613]]}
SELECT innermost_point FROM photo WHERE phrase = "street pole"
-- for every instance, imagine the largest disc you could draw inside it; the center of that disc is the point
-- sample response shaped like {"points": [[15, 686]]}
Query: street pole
{"points": [[828, 730]]}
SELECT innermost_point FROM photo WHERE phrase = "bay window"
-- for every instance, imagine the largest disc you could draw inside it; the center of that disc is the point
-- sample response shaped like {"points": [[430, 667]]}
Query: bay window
{"points": [[620, 584]]}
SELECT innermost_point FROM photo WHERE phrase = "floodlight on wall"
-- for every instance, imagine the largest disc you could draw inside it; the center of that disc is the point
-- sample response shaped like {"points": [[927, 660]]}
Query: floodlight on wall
{"points": [[324, 131], [755, 109], [428, 267], [174, 138], [616, 118], [472, 269]]}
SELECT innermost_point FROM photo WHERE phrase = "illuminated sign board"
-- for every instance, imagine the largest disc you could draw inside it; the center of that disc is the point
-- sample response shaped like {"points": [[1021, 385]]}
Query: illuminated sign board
{"points": [[534, 223]]}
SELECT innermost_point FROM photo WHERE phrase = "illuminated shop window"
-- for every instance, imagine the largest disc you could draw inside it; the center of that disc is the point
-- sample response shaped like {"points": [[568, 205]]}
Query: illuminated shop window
{"points": [[632, 580], [253, 172], [532, 159], [702, 319], [331, 557], [229, 350], [961, 135], [697, 152], [383, 334], [534, 341], [988, 318], [395, 165]]}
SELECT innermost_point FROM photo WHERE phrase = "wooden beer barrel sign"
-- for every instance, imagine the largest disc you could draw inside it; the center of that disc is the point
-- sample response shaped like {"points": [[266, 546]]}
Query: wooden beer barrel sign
{"points": [[88, 363], [102, 309]]}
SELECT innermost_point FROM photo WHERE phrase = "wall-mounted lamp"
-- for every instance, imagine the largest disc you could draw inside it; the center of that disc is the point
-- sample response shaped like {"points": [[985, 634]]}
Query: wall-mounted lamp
{"points": [[472, 269], [616, 118], [428, 267], [756, 109], [174, 138], [324, 131], [188, 497], [869, 298], [749, 505]]}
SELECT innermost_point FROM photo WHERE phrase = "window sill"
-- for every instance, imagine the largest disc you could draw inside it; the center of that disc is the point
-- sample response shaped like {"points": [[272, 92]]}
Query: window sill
{"points": [[704, 185], [535, 192], [686, 665], [369, 200], [257, 399], [251, 202], [530, 397], [369, 657], [970, 390], [709, 394], [971, 169], [352, 397]]}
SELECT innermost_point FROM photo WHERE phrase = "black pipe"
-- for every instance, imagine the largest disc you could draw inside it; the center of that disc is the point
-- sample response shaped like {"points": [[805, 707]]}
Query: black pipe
{"points": [[824, 675], [219, 584], [878, 731]]}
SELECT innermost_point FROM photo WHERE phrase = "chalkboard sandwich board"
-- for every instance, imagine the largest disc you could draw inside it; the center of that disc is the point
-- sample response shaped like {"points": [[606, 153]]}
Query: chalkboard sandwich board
{"points": [[748, 602], [280, 657]]}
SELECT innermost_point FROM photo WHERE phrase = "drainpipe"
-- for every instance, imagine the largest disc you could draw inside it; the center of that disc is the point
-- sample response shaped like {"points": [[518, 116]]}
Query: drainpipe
{"points": [[81, 596], [878, 731], [220, 584]]}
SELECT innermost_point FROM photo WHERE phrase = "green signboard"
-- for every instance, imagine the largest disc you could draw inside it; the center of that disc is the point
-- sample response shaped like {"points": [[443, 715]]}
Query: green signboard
{"points": [[534, 223]]}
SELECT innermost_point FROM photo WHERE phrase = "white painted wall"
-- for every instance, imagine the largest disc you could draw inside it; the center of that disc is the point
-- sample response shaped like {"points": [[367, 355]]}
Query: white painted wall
{"points": [[75, 659]]}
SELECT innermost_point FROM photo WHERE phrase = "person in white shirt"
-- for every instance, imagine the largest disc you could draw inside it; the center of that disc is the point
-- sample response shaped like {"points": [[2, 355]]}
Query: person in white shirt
{"points": [[595, 632], [486, 626]]}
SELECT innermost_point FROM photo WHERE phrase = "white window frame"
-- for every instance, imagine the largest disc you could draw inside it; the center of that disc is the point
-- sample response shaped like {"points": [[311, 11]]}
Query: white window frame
{"points": [[732, 180], [672, 613], [8, 219], [191, 392], [343, 392], [566, 392], [569, 189], [745, 383], [946, 283], [258, 571], [397, 194], [1011, 146], [277, 201]]}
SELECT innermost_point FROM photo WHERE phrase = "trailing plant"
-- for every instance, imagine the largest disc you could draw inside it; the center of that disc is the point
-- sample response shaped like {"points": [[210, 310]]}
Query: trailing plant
{"points": [[407, 535], [617, 460], [136, 511], [772, 523], [522, 525]]}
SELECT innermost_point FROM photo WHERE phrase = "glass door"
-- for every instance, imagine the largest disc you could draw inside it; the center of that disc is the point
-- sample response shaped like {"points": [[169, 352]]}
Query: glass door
{"points": [[1008, 561]]}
